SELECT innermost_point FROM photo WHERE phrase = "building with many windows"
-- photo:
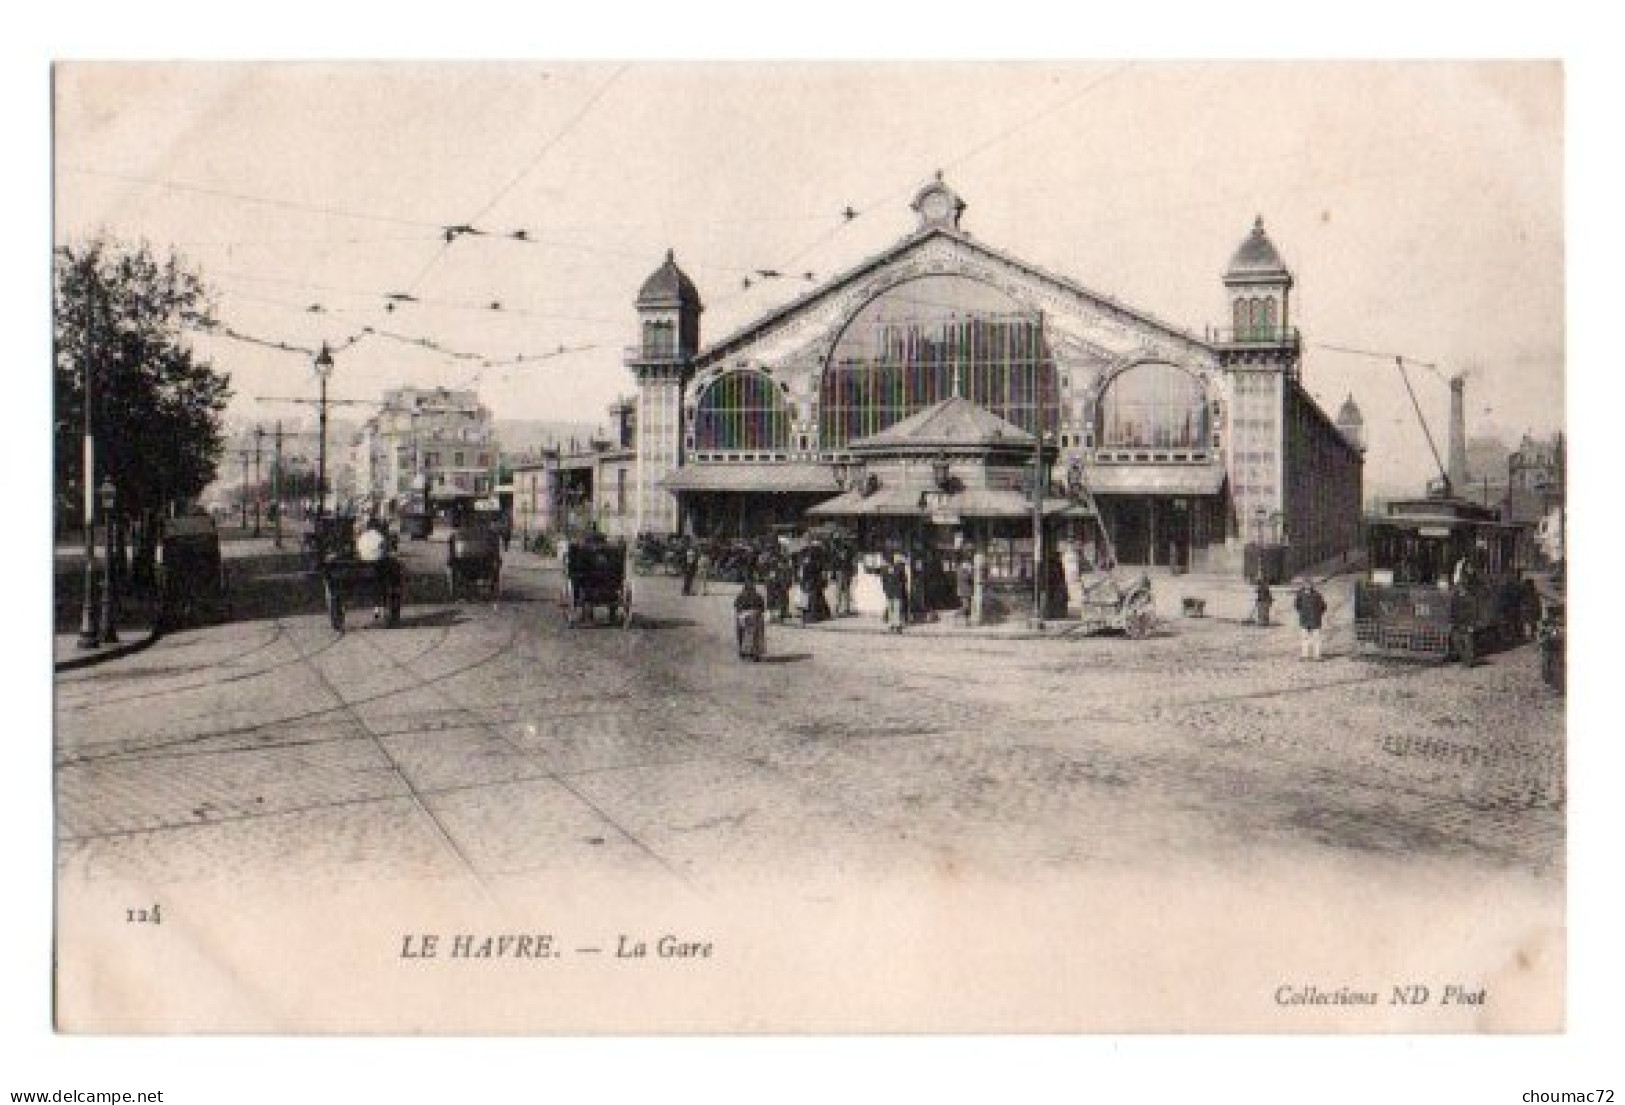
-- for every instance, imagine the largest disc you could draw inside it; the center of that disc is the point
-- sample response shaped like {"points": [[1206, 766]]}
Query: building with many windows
{"points": [[426, 441], [570, 491], [908, 398]]}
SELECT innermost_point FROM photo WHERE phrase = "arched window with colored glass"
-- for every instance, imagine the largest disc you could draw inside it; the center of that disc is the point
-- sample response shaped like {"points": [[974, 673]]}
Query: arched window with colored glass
{"points": [[933, 338], [741, 411], [1154, 406]]}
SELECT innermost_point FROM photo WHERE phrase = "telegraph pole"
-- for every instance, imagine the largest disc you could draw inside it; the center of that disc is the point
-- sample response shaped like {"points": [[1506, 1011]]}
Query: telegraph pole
{"points": [[244, 454], [276, 487], [259, 438]]}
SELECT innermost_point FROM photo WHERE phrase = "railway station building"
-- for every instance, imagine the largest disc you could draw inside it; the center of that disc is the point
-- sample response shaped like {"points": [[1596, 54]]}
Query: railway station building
{"points": [[914, 396]]}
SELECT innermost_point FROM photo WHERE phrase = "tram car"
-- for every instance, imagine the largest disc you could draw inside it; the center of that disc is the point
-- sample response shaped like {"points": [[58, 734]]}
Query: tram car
{"points": [[1444, 579]]}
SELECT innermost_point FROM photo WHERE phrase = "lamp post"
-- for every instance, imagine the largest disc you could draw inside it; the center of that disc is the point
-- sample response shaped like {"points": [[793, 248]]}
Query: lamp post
{"points": [[324, 369], [89, 632], [88, 637], [108, 497]]}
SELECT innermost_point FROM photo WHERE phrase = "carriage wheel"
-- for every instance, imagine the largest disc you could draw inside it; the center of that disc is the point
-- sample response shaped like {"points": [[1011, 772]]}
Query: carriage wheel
{"points": [[335, 607], [1466, 647], [1137, 625], [451, 583], [626, 609]]}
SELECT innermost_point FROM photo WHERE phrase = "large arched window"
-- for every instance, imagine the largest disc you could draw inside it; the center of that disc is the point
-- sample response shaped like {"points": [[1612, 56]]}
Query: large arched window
{"points": [[926, 340], [741, 411], [1154, 406]]}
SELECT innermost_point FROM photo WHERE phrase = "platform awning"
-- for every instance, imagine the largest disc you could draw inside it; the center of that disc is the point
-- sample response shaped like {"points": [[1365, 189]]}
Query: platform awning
{"points": [[1156, 479], [971, 502], [810, 479]]}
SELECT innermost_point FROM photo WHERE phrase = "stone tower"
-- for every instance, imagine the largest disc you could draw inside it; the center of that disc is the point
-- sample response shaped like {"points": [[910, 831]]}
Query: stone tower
{"points": [[1259, 352], [668, 309]]}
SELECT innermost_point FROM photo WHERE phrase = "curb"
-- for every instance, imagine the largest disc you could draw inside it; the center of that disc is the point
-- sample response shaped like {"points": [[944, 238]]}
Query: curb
{"points": [[103, 655], [968, 633]]}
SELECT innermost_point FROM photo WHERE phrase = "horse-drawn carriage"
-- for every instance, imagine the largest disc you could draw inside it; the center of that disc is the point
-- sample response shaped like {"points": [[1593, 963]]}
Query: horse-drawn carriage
{"points": [[329, 536], [595, 578], [191, 573], [1108, 605], [474, 561], [349, 579]]}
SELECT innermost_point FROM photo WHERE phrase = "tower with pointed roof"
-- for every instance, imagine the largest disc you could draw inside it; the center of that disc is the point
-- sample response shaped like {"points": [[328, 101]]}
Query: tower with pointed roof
{"points": [[1260, 288], [668, 307], [1352, 423]]}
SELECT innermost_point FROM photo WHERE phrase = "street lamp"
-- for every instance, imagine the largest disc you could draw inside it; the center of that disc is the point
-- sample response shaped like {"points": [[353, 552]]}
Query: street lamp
{"points": [[109, 496], [324, 369], [89, 633]]}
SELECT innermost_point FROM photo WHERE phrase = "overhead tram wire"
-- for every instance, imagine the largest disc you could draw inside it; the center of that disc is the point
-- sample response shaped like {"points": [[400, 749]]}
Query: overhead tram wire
{"points": [[454, 232], [852, 214], [245, 197], [1377, 356], [488, 361]]}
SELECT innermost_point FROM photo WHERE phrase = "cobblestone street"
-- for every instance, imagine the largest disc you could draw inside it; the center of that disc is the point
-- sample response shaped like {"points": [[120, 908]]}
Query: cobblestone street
{"points": [[494, 750]]}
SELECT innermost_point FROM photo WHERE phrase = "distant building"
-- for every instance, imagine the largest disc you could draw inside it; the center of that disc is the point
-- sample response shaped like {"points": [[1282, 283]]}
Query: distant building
{"points": [[583, 486], [1536, 491], [1195, 446], [432, 442]]}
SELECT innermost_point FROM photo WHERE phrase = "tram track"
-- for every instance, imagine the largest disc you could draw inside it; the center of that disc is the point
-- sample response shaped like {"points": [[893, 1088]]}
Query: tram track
{"points": [[125, 750], [444, 834], [495, 730]]}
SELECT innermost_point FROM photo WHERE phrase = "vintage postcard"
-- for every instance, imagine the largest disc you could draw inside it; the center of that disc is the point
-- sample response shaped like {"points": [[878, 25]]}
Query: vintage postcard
{"points": [[809, 548]]}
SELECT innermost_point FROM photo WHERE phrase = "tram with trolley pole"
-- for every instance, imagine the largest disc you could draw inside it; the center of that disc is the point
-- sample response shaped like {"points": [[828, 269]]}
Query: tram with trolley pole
{"points": [[1445, 577]]}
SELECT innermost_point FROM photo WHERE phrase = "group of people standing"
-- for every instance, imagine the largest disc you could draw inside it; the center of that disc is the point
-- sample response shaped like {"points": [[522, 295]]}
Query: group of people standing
{"points": [[780, 571]]}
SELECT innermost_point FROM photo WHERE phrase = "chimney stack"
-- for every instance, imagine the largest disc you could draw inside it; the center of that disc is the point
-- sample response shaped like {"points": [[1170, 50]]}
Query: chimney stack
{"points": [[1457, 466]]}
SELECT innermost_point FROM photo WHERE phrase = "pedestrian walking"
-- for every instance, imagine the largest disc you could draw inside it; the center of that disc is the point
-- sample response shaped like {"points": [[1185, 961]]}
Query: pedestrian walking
{"points": [[894, 583], [1263, 600], [702, 569], [965, 587], [691, 567], [1311, 607], [784, 577], [845, 569]]}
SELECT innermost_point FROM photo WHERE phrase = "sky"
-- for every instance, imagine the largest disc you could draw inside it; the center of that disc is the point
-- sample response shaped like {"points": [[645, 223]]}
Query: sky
{"points": [[1419, 205]]}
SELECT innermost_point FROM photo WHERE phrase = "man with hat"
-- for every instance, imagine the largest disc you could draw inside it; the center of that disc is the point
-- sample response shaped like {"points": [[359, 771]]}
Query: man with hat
{"points": [[1311, 608]]}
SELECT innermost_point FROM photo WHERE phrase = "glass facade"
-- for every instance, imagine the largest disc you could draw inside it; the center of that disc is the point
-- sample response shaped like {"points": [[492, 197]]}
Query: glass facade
{"points": [[741, 411], [930, 339], [1154, 406]]}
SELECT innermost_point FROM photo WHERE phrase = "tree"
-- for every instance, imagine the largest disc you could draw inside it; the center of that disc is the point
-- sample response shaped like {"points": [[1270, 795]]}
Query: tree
{"points": [[121, 313]]}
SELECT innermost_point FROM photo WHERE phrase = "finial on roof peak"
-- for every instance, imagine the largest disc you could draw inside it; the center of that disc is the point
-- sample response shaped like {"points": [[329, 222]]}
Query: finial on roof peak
{"points": [[671, 254]]}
